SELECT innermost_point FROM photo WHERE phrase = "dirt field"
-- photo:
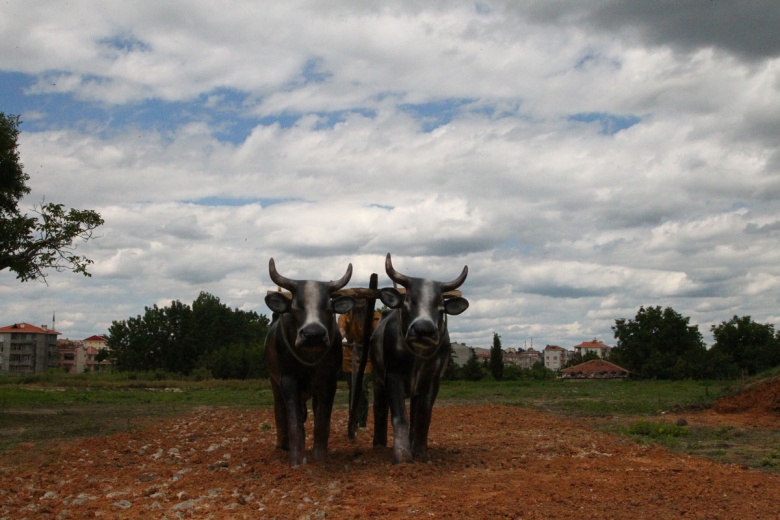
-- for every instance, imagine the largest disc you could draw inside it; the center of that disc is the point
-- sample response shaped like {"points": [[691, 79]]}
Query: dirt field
{"points": [[486, 462]]}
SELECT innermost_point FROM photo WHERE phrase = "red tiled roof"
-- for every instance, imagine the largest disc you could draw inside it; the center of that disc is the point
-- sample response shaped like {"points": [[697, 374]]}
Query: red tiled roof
{"points": [[96, 338], [591, 344], [553, 347], [595, 366], [26, 327]]}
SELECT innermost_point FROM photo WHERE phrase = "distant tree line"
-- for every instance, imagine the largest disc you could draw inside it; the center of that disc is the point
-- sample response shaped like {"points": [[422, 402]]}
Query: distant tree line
{"points": [[661, 344], [207, 337], [210, 339]]}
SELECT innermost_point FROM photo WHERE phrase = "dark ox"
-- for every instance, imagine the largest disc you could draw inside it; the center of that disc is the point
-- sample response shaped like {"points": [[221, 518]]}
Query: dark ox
{"points": [[409, 350], [303, 352]]}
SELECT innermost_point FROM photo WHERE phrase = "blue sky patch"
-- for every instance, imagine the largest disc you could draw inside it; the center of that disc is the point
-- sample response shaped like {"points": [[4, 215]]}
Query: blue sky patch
{"points": [[314, 73], [12, 96], [382, 206], [125, 43], [434, 114], [331, 119], [610, 123], [234, 202], [223, 109]]}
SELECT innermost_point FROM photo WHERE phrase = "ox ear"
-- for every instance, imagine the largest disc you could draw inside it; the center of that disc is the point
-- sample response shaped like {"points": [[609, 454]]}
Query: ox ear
{"points": [[343, 304], [391, 297], [454, 306], [278, 302]]}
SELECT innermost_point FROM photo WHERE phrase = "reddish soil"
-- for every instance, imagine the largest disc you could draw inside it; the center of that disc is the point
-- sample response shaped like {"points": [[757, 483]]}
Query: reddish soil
{"points": [[486, 462]]}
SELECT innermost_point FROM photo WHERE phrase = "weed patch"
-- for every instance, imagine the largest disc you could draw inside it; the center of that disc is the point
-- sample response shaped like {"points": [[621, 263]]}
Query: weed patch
{"points": [[656, 430], [772, 460]]}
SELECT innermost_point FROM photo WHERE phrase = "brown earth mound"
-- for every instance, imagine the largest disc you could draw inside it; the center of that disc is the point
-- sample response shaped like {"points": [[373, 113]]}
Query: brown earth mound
{"points": [[761, 398], [486, 462]]}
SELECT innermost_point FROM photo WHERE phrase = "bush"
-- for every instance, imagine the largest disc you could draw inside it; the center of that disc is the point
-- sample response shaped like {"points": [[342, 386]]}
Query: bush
{"points": [[201, 374]]}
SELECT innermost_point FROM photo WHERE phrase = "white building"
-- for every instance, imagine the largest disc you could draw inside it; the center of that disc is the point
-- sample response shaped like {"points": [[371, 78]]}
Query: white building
{"points": [[595, 346], [555, 357]]}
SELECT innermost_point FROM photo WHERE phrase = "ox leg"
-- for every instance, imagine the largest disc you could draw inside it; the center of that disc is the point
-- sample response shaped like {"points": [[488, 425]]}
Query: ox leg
{"points": [[280, 418], [421, 414], [296, 415], [395, 393], [322, 414], [380, 413]]}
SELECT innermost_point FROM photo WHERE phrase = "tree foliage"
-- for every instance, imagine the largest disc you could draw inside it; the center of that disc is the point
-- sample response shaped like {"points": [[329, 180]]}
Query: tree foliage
{"points": [[472, 369], [30, 245], [180, 338], [497, 358], [659, 344], [744, 347]]}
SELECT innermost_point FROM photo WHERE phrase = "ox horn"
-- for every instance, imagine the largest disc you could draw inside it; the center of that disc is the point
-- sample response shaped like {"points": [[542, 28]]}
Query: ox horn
{"points": [[457, 282], [341, 282], [281, 281], [395, 275]]}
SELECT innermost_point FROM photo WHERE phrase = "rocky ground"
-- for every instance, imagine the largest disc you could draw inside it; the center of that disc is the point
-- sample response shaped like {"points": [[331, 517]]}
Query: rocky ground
{"points": [[486, 462]]}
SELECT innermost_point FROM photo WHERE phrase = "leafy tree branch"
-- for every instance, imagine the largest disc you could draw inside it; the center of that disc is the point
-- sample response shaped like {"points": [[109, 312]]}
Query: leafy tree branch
{"points": [[31, 245]]}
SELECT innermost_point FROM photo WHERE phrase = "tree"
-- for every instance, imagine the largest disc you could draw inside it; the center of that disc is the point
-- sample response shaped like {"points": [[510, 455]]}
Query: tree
{"points": [[180, 339], [472, 371], [745, 347], [539, 372], [31, 245], [659, 344], [497, 358]]}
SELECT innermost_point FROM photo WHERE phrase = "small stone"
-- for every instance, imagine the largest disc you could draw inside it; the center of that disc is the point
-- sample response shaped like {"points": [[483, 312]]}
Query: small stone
{"points": [[186, 505], [123, 504]]}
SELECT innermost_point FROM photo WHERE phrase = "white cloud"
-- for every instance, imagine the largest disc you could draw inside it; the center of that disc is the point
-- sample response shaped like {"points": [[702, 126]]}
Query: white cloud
{"points": [[213, 137]]}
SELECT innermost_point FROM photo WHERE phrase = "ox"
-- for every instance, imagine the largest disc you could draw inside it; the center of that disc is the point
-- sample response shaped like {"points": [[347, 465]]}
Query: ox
{"points": [[303, 352], [409, 350]]}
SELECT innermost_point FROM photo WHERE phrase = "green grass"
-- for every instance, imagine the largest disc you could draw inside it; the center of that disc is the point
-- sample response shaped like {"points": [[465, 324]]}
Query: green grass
{"points": [[589, 398]]}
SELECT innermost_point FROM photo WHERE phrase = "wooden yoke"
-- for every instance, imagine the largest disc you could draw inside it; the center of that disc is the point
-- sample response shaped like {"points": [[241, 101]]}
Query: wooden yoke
{"points": [[357, 379]]}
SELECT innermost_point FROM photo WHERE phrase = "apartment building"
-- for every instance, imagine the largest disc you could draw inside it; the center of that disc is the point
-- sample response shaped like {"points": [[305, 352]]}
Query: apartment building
{"points": [[555, 357], [27, 349]]}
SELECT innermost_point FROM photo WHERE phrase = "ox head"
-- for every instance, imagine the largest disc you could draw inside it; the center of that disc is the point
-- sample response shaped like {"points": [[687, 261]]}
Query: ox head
{"points": [[423, 307], [312, 308]]}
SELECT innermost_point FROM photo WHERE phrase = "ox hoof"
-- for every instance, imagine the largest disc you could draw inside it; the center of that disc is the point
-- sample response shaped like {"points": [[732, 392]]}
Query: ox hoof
{"points": [[295, 464], [401, 456], [422, 457], [319, 455]]}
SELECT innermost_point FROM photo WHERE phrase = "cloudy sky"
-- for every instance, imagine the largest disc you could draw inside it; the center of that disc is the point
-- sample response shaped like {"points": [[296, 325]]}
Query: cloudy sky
{"points": [[582, 158]]}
